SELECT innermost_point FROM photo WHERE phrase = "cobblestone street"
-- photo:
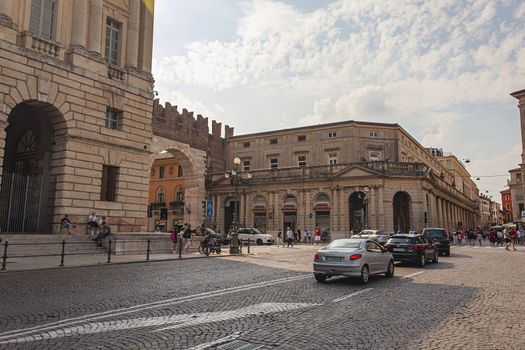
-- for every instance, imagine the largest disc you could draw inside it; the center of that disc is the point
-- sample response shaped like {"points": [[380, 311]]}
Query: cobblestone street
{"points": [[268, 300]]}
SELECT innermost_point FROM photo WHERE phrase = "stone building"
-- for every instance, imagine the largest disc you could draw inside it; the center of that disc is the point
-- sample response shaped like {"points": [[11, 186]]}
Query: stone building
{"points": [[516, 193], [75, 112], [506, 205], [343, 176]]}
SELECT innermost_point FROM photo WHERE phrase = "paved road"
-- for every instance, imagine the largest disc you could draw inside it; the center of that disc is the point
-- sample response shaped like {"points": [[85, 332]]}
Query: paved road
{"points": [[269, 300]]}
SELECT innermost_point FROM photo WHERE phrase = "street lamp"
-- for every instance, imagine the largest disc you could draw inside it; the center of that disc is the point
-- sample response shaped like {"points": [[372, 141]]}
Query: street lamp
{"points": [[237, 177]]}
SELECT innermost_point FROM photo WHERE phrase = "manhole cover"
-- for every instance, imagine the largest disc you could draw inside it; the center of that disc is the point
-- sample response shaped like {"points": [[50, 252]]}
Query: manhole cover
{"points": [[239, 345]]}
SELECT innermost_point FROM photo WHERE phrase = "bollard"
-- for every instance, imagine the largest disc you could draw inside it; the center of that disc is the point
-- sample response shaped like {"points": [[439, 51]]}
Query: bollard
{"points": [[62, 253], [147, 249], [240, 245], [249, 240], [4, 258], [180, 248], [109, 251]]}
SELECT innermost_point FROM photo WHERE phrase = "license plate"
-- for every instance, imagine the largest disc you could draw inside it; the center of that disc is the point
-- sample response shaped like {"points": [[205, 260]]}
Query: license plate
{"points": [[334, 258], [398, 249]]}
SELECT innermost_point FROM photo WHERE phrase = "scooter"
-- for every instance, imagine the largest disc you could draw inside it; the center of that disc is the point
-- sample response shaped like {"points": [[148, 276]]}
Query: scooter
{"points": [[210, 247]]}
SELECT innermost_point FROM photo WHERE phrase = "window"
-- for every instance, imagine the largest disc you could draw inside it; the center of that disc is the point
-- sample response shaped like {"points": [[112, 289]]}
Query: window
{"points": [[42, 18], [507, 206], [332, 135], [301, 138], [112, 41], [109, 183], [113, 119], [246, 165], [373, 133], [161, 172], [180, 173], [375, 156], [518, 177], [161, 195], [274, 163], [152, 174], [274, 141], [179, 195], [246, 144], [301, 160], [332, 158], [521, 207]]}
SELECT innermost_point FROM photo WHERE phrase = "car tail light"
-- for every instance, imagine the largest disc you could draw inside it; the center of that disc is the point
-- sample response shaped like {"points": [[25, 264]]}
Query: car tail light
{"points": [[416, 247], [317, 257], [354, 257], [387, 246]]}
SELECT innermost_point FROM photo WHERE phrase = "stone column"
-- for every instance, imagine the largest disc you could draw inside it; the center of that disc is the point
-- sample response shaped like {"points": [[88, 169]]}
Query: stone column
{"points": [[79, 28], [132, 42], [439, 214], [342, 209], [147, 37], [95, 26], [383, 220], [242, 207], [372, 217], [6, 9]]}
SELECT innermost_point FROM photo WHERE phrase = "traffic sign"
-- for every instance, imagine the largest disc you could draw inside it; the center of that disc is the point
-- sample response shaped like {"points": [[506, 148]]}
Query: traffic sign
{"points": [[209, 208]]}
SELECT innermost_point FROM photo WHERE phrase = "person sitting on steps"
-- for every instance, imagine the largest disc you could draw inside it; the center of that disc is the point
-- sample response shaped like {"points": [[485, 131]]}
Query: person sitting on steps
{"points": [[103, 232]]}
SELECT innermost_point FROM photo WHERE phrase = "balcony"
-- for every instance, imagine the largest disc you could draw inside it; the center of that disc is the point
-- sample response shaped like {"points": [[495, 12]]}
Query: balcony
{"points": [[177, 206], [158, 205], [41, 45], [115, 72]]}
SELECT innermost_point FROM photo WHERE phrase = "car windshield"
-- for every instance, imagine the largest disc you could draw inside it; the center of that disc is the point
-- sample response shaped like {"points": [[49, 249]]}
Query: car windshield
{"points": [[344, 243], [438, 234], [401, 240], [367, 232], [256, 231]]}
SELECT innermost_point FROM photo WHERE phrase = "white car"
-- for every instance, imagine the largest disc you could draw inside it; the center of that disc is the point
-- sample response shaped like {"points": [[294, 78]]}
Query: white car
{"points": [[255, 236]]}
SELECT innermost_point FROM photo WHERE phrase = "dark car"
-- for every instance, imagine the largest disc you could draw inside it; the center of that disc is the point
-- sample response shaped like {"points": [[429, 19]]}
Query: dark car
{"points": [[209, 231], [440, 239], [412, 249]]}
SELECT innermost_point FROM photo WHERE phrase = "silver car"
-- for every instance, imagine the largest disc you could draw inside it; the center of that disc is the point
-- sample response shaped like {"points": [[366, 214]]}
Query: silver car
{"points": [[354, 258], [377, 235]]}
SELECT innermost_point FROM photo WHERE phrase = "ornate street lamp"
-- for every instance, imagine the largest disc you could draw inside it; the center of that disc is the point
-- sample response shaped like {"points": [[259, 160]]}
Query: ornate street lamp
{"points": [[237, 177]]}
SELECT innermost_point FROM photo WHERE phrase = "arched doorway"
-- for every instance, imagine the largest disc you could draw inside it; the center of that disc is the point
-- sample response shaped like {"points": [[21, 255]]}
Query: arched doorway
{"points": [[28, 186], [357, 211], [401, 203], [322, 215], [259, 213], [289, 212]]}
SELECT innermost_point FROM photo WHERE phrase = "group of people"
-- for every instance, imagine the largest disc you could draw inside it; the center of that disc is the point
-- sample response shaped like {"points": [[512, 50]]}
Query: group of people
{"points": [[509, 237], [296, 236], [98, 228], [180, 236]]}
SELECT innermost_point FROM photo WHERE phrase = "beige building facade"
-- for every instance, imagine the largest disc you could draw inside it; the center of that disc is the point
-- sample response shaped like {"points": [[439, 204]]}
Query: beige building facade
{"points": [[341, 176], [75, 112]]}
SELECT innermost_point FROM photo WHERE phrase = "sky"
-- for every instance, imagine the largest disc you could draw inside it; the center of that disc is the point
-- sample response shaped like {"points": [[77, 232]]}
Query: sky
{"points": [[442, 69]]}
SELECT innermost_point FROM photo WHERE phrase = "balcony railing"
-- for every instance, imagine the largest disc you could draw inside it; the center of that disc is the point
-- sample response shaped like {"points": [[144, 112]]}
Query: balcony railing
{"points": [[158, 205], [177, 205], [115, 72]]}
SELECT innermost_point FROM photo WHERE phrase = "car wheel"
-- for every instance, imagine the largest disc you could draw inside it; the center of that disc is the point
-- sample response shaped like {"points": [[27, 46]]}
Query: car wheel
{"points": [[422, 260], [365, 274], [320, 277], [259, 241], [390, 271], [447, 253], [218, 250], [199, 249], [436, 258]]}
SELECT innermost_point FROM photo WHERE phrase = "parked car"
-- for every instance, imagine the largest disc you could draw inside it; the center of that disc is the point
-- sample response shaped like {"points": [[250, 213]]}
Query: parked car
{"points": [[254, 235], [412, 248], [440, 239], [354, 258], [223, 237], [377, 235]]}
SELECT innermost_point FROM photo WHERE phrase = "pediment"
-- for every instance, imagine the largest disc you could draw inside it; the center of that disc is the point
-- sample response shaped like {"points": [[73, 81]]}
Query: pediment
{"points": [[355, 171]]}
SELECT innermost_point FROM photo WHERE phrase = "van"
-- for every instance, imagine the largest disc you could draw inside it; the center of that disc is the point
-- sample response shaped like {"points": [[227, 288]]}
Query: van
{"points": [[440, 238]]}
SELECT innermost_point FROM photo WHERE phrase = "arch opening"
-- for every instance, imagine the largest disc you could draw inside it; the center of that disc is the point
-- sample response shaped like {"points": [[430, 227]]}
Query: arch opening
{"points": [[401, 203]]}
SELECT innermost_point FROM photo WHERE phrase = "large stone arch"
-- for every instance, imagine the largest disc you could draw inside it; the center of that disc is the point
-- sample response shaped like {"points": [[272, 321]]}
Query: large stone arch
{"points": [[193, 162], [29, 194], [402, 211]]}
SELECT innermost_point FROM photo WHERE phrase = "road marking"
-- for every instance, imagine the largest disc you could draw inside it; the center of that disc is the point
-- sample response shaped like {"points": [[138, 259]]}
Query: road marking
{"points": [[165, 322], [351, 295], [413, 274], [141, 307], [219, 341]]}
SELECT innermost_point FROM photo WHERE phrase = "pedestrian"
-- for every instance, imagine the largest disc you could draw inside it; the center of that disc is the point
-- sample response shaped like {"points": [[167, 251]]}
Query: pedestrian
{"points": [[280, 238], [104, 231], [479, 237], [290, 237], [65, 224], [317, 235], [305, 236], [187, 239], [499, 237], [174, 238], [93, 224], [513, 238], [298, 236]]}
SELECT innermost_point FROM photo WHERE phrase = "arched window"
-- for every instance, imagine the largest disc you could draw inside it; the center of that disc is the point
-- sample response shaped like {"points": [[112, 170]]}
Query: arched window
{"points": [[180, 173], [179, 194], [322, 198], [27, 142], [290, 200], [259, 201], [161, 195]]}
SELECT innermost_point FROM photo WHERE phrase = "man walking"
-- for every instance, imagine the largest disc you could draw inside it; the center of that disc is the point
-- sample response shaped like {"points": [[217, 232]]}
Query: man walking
{"points": [[317, 235], [280, 238], [289, 236]]}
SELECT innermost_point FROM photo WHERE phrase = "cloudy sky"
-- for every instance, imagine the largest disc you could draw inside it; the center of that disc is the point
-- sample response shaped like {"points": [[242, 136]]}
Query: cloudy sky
{"points": [[442, 69]]}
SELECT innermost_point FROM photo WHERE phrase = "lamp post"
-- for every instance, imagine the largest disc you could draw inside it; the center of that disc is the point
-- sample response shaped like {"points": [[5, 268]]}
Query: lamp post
{"points": [[365, 208], [237, 177]]}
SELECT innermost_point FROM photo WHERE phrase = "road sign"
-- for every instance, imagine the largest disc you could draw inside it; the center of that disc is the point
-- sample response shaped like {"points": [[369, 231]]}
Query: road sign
{"points": [[311, 215], [209, 208]]}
